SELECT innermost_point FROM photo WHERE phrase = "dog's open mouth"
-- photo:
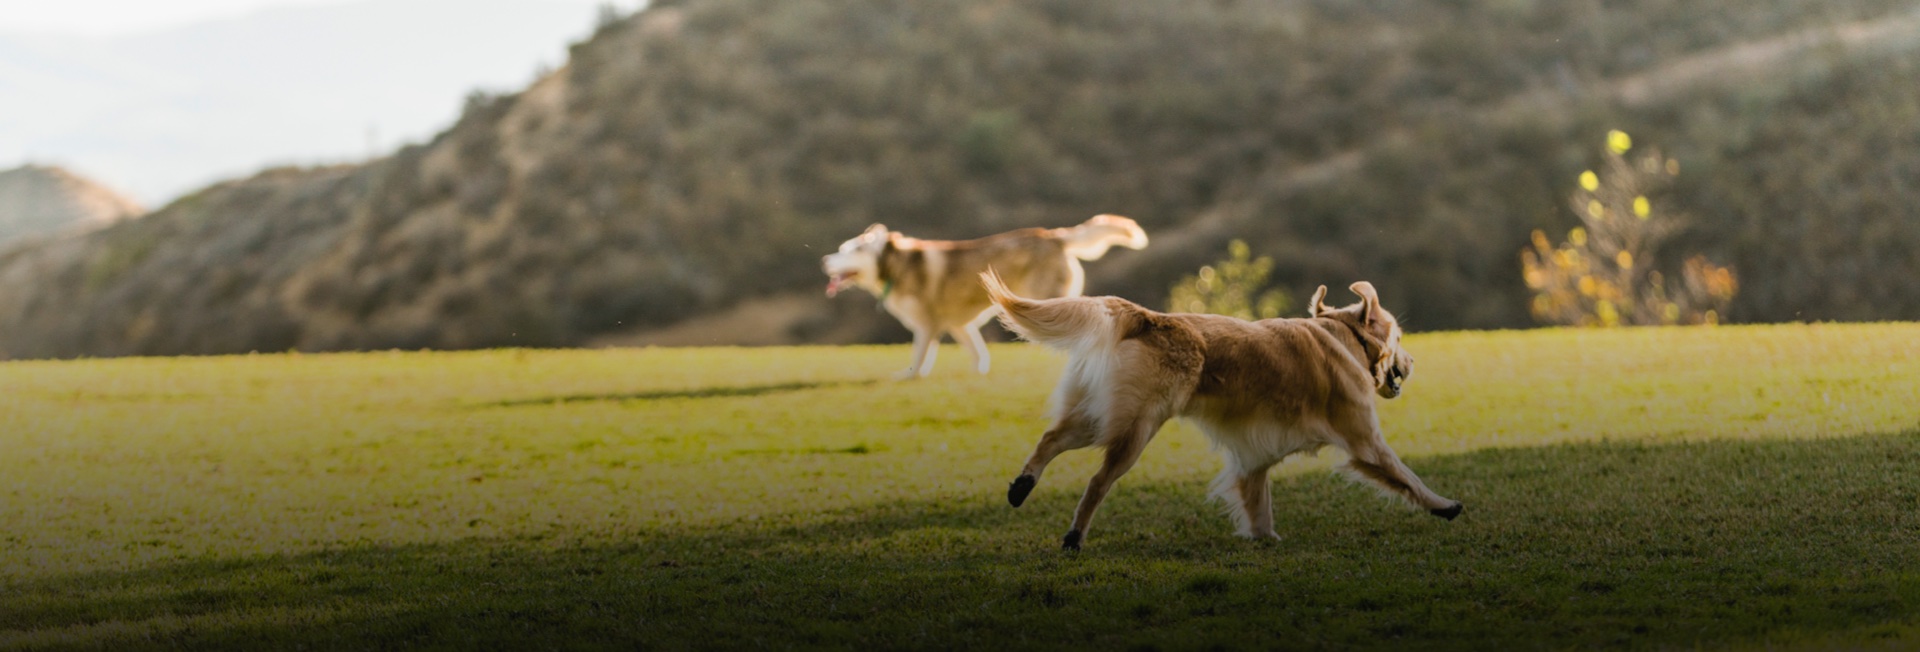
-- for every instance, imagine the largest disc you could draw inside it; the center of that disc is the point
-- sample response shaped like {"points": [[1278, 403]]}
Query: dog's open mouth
{"points": [[838, 281], [1393, 380]]}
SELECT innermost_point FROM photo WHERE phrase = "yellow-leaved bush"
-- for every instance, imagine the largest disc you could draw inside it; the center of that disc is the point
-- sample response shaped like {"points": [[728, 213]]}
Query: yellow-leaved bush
{"points": [[1603, 273]]}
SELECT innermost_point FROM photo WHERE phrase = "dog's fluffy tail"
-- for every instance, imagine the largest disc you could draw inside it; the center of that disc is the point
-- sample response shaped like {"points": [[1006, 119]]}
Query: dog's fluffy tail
{"points": [[1092, 238], [1077, 325]]}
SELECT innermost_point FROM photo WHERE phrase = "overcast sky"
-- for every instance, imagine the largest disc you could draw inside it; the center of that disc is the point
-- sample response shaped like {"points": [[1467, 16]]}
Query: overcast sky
{"points": [[115, 17], [156, 98]]}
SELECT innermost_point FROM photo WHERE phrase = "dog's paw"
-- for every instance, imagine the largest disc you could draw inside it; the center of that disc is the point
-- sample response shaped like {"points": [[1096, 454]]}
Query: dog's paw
{"points": [[1071, 541], [1260, 537], [1017, 490], [1447, 512], [908, 373]]}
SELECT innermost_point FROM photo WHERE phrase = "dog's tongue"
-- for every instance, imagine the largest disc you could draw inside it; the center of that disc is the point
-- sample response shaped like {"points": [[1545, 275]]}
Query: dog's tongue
{"points": [[834, 284]]}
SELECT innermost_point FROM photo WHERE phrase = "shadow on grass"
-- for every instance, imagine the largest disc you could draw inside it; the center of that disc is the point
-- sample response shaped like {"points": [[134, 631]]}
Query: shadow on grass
{"points": [[704, 392], [1609, 544]]}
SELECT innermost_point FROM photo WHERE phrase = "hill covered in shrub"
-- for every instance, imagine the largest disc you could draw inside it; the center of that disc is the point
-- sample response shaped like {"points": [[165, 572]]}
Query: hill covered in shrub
{"points": [[691, 163]]}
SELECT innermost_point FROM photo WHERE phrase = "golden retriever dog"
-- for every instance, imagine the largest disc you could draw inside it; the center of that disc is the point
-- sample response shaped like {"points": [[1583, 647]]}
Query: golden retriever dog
{"points": [[933, 286], [1261, 391]]}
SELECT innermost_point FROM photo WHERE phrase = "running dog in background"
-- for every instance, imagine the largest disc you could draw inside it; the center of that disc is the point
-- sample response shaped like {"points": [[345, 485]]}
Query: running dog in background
{"points": [[933, 286], [1261, 391]]}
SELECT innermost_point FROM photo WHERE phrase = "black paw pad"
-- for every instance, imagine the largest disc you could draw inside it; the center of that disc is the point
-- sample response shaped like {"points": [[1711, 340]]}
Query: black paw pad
{"points": [[1072, 540], [1017, 492], [1447, 512]]}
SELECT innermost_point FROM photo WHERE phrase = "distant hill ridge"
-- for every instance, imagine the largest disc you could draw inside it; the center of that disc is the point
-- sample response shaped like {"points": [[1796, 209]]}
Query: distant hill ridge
{"points": [[678, 179], [40, 200]]}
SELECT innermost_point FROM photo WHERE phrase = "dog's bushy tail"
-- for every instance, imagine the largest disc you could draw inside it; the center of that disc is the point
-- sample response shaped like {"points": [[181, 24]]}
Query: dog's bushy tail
{"points": [[1091, 239], [1077, 325]]}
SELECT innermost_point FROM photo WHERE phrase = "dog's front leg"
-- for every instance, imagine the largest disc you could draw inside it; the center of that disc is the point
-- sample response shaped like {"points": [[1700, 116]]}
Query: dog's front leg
{"points": [[1256, 502], [926, 346], [1374, 461]]}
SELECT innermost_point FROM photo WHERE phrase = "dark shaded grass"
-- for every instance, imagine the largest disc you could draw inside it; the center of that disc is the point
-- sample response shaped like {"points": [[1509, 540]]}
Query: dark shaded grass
{"points": [[704, 392], [1589, 545]]}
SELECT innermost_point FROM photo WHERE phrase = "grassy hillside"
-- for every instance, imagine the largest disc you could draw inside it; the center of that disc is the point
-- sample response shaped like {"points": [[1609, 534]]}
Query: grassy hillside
{"points": [[1720, 487], [698, 157]]}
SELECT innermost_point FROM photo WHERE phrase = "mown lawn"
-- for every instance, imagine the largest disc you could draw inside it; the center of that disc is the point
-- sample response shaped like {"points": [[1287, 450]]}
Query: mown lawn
{"points": [[1742, 487]]}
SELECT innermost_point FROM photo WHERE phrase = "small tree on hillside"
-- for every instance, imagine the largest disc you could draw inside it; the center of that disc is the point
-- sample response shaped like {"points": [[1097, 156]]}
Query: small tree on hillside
{"points": [[1233, 287], [1603, 275]]}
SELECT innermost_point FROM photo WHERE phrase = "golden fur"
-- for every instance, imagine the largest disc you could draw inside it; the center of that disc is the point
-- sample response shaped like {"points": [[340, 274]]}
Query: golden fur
{"points": [[932, 286], [1261, 391]]}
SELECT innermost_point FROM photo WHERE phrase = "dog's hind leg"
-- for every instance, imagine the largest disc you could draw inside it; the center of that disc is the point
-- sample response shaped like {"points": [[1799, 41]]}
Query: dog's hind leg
{"points": [[1373, 461], [969, 336], [1125, 439], [1070, 432]]}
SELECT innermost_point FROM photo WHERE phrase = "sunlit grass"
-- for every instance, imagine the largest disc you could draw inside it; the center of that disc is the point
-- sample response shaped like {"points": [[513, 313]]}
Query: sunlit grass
{"points": [[127, 482]]}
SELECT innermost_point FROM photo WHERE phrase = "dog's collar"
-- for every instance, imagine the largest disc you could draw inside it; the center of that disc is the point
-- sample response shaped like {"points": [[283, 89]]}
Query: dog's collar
{"points": [[886, 289], [1373, 363]]}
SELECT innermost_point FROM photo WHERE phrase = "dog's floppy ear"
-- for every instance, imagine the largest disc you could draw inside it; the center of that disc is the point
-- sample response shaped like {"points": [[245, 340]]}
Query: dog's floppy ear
{"points": [[1369, 301], [878, 229], [1316, 305]]}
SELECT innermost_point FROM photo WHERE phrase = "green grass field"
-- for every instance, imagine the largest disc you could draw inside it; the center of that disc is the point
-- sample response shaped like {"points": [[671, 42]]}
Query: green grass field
{"points": [[1740, 487]]}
